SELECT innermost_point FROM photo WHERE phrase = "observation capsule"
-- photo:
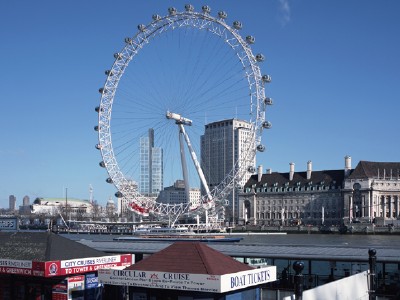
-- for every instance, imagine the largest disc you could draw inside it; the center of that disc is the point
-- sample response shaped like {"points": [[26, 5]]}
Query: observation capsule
{"points": [[117, 56], [266, 78], [268, 101], [250, 39], [266, 124], [260, 57], [141, 27], [128, 40], [172, 11], [206, 9], [119, 194], [102, 164], [156, 17], [96, 128], [97, 146], [261, 148], [109, 73], [102, 90], [251, 169], [189, 7], [109, 180], [222, 15], [237, 25], [98, 109]]}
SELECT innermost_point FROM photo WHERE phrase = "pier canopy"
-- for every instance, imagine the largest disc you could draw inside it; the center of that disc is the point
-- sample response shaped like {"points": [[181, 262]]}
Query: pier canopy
{"points": [[189, 267], [44, 265]]}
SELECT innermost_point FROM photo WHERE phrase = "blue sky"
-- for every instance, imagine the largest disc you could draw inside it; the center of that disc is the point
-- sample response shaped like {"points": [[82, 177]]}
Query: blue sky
{"points": [[335, 70]]}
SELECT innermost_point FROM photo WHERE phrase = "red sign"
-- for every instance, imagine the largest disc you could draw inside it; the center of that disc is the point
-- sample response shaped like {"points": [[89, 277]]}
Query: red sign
{"points": [[63, 267], [60, 291], [86, 265]]}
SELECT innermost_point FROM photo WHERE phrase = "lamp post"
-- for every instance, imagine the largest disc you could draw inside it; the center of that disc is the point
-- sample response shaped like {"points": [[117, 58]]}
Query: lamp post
{"points": [[298, 267], [372, 273]]}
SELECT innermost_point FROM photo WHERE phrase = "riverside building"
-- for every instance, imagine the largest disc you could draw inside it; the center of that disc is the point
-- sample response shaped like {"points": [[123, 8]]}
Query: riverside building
{"points": [[371, 193], [368, 193]]}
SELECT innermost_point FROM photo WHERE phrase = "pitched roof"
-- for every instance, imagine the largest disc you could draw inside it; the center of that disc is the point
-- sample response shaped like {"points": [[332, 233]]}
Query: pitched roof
{"points": [[370, 169], [42, 246], [327, 177], [190, 257], [41, 200]]}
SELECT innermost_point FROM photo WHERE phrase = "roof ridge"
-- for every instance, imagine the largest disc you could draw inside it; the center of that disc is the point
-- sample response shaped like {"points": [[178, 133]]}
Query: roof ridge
{"points": [[203, 257], [363, 166]]}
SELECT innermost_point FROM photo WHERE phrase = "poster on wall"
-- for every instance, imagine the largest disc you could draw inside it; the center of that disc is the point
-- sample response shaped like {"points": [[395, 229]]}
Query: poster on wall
{"points": [[93, 288], [60, 291], [76, 287]]}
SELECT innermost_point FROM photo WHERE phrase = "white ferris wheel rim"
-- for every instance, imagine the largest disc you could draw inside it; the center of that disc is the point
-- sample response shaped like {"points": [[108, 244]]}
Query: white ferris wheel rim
{"points": [[230, 36]]}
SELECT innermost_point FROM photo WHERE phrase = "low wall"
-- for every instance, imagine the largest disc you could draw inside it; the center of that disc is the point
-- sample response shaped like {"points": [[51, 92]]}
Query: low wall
{"points": [[355, 228]]}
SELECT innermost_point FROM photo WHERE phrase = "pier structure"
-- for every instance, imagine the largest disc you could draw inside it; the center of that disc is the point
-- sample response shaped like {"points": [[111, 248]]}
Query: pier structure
{"points": [[43, 265], [187, 270], [322, 264]]}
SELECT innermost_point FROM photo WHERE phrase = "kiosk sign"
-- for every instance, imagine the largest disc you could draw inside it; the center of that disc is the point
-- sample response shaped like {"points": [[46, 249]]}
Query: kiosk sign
{"points": [[87, 264], [188, 282]]}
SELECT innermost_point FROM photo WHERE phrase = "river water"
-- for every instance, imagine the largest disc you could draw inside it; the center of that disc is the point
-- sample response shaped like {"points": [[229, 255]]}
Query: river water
{"points": [[341, 240], [345, 240]]}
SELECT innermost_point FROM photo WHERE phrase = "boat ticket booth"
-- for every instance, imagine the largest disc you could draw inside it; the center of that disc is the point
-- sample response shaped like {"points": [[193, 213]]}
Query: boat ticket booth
{"points": [[186, 271]]}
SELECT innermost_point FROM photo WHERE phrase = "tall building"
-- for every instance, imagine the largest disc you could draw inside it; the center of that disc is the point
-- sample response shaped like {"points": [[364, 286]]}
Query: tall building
{"points": [[151, 166], [12, 202], [25, 201], [25, 208], [223, 144], [176, 194]]}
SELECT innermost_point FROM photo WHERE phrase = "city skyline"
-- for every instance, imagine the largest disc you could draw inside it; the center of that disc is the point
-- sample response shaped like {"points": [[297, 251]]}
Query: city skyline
{"points": [[334, 67]]}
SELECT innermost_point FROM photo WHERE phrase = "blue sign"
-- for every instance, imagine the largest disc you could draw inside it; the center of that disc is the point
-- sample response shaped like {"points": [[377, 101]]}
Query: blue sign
{"points": [[8, 224]]}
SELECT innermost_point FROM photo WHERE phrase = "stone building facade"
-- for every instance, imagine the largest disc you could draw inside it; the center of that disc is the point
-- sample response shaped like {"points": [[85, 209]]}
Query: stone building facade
{"points": [[293, 198], [369, 193]]}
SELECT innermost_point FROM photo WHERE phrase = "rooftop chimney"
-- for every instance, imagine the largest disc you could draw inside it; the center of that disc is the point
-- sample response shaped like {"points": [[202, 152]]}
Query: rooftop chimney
{"points": [[347, 165], [259, 173], [291, 172], [269, 171], [309, 169]]}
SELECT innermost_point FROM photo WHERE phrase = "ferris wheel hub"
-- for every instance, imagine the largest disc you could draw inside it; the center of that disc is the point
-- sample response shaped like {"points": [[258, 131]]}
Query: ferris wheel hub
{"points": [[178, 118]]}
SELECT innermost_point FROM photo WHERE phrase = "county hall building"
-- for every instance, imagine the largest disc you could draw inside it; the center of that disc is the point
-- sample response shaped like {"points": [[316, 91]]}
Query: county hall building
{"points": [[367, 194]]}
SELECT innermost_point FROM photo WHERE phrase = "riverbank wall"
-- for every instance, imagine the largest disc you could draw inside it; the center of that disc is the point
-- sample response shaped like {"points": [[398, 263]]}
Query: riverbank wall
{"points": [[355, 228]]}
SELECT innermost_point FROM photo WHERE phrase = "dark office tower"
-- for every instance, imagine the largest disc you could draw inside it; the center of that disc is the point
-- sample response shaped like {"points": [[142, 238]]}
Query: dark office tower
{"points": [[12, 202], [25, 201]]}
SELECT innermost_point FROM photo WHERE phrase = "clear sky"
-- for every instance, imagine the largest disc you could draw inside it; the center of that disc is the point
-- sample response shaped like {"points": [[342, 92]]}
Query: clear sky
{"points": [[335, 68]]}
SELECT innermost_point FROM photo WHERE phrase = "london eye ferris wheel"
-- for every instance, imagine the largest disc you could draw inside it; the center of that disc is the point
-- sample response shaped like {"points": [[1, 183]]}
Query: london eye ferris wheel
{"points": [[174, 76]]}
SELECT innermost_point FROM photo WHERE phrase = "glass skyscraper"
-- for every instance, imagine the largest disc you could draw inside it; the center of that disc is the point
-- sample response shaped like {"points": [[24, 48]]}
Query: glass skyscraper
{"points": [[151, 166]]}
